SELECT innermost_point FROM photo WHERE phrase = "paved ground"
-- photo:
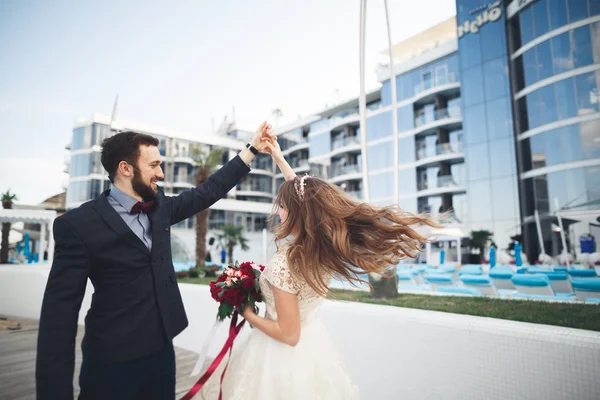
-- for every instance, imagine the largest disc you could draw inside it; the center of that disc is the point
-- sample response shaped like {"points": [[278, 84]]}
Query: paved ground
{"points": [[18, 339]]}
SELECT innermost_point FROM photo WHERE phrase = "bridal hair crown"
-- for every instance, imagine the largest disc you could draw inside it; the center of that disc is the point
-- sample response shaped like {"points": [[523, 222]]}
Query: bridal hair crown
{"points": [[299, 185]]}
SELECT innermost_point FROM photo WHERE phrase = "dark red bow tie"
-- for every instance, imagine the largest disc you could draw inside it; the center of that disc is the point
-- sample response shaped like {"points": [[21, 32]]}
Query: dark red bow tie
{"points": [[142, 207]]}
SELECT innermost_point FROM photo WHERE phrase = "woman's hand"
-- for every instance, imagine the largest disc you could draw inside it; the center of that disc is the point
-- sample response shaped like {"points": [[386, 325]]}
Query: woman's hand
{"points": [[271, 146], [248, 312]]}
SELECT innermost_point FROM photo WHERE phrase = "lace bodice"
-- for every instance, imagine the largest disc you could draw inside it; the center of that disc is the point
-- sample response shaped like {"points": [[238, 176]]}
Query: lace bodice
{"points": [[277, 274]]}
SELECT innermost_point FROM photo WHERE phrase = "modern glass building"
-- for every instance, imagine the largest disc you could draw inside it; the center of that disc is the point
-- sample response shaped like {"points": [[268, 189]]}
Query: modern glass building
{"points": [[554, 57], [248, 204], [498, 115]]}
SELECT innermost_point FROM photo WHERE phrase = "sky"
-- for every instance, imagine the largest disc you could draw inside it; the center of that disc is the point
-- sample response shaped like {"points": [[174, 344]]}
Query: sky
{"points": [[180, 64]]}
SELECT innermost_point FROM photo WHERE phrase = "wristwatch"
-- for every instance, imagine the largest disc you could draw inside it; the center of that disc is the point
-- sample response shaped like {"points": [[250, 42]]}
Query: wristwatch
{"points": [[252, 148]]}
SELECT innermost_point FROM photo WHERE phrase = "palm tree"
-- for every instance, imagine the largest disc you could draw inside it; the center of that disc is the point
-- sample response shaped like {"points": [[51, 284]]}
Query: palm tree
{"points": [[206, 164], [480, 239], [232, 236], [277, 113], [7, 203]]}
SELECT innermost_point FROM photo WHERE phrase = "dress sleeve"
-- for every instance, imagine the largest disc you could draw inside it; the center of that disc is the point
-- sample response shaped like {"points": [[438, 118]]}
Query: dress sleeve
{"points": [[279, 275]]}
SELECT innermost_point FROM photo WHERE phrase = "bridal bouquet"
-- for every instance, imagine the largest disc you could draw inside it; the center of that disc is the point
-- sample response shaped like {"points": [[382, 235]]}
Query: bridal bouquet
{"points": [[237, 287]]}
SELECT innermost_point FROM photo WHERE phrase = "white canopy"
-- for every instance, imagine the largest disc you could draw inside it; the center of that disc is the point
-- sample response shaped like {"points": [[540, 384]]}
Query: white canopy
{"points": [[43, 217]]}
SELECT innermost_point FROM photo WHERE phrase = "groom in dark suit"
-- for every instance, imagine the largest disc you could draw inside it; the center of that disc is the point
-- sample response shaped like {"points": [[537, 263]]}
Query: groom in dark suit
{"points": [[121, 242]]}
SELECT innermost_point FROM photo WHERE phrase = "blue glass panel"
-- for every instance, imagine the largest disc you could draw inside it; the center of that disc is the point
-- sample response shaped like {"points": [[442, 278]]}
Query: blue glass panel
{"points": [[565, 95], [578, 9], [379, 126], [540, 18], [474, 122], [496, 78], [558, 13], [380, 156], [544, 60], [499, 118], [582, 47], [406, 118], [473, 86], [526, 23], [477, 160], [561, 49], [406, 150]]}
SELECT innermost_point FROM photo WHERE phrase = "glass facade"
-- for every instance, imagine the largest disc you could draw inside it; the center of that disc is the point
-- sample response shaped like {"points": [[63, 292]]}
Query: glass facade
{"points": [[563, 62], [410, 84], [544, 16], [488, 139]]}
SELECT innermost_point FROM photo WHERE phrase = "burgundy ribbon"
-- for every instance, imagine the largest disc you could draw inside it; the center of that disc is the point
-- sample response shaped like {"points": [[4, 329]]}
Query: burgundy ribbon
{"points": [[234, 330]]}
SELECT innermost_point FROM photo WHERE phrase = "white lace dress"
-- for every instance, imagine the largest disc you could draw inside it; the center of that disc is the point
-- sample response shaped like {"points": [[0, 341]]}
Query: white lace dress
{"points": [[263, 368]]}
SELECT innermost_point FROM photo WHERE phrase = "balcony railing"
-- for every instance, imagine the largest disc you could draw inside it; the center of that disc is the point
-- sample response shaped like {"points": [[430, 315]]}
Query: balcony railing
{"points": [[347, 141], [436, 81], [297, 163], [440, 149], [185, 178], [249, 187], [339, 170], [286, 143], [440, 182], [443, 113]]}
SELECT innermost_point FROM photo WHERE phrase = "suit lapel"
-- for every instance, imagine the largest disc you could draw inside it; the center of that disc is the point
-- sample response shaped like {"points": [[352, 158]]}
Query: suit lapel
{"points": [[114, 220], [157, 223]]}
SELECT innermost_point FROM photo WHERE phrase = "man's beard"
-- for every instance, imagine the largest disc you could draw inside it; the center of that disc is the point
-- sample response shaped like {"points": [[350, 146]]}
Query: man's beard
{"points": [[147, 192]]}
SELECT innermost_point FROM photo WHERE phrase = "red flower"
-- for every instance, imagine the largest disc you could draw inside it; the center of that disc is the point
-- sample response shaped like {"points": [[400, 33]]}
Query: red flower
{"points": [[248, 284], [256, 296], [214, 291], [234, 296]]}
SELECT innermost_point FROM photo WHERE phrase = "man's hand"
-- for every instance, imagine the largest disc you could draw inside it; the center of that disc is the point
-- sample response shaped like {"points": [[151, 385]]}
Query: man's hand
{"points": [[262, 134]]}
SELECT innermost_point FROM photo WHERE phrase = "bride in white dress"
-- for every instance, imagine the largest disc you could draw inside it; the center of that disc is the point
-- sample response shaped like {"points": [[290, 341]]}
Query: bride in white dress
{"points": [[289, 354]]}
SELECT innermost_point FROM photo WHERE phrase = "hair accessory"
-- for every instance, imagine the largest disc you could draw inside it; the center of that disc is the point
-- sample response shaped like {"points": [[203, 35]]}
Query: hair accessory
{"points": [[299, 185]]}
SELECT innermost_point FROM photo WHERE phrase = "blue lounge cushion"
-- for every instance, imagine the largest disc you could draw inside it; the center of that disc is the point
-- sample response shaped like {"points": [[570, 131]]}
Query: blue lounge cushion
{"points": [[582, 273], [458, 290], [447, 268], [586, 284], [555, 276], [476, 280], [470, 270], [438, 278], [537, 280], [501, 273], [405, 275], [539, 270], [594, 300]]}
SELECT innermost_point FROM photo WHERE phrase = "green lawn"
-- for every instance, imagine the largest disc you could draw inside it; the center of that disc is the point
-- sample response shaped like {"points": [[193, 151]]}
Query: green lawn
{"points": [[580, 316]]}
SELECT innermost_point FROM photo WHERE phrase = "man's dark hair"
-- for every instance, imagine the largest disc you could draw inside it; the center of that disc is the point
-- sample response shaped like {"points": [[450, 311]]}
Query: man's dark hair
{"points": [[123, 146]]}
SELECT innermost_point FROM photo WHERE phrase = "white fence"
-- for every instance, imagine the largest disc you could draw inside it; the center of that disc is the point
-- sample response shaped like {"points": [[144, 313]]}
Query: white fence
{"points": [[396, 353]]}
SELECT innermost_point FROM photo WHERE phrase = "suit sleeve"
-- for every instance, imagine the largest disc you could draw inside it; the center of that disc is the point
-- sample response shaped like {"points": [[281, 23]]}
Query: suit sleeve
{"points": [[64, 293], [192, 201]]}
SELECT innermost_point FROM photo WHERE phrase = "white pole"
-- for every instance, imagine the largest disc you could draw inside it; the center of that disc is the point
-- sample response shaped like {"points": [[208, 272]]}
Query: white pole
{"points": [[362, 104], [539, 231], [562, 233], [264, 246], [428, 252], [394, 109], [459, 255], [50, 242]]}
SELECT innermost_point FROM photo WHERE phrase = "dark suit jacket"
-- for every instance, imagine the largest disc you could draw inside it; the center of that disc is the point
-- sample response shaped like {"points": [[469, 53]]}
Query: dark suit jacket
{"points": [[136, 306]]}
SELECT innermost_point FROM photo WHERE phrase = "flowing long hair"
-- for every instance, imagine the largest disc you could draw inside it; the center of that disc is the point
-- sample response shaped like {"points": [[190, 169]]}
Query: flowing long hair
{"points": [[332, 234]]}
